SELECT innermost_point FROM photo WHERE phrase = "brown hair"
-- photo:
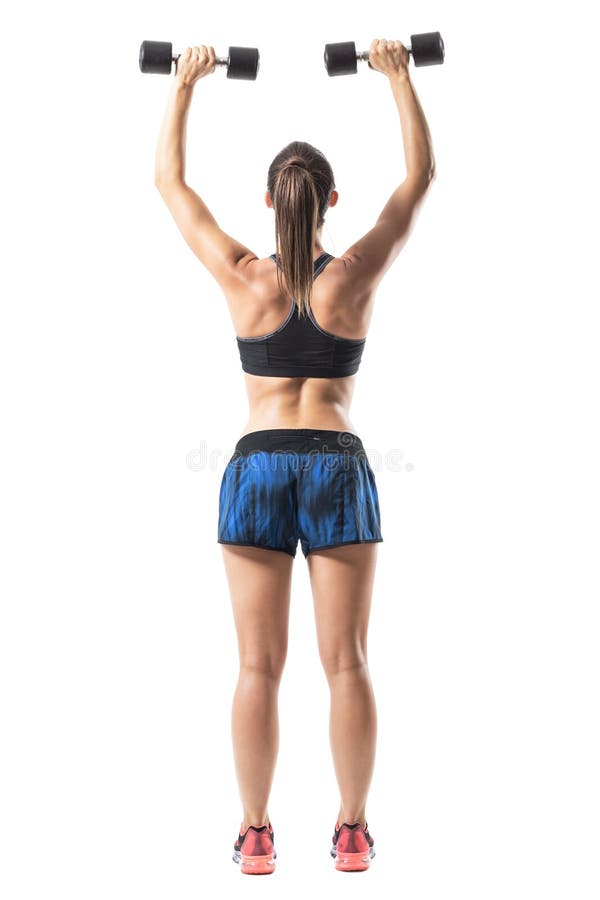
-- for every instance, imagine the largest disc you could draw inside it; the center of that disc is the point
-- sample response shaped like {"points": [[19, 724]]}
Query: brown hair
{"points": [[300, 182]]}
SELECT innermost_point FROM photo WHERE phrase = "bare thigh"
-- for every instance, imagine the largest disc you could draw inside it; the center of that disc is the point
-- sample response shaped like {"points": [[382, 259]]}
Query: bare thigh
{"points": [[342, 586], [260, 587]]}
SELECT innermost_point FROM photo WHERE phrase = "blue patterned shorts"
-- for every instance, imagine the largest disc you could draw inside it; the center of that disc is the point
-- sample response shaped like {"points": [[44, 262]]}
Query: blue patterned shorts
{"points": [[287, 484]]}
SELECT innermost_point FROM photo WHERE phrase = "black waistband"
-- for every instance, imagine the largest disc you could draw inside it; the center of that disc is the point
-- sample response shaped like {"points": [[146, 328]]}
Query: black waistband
{"points": [[300, 440]]}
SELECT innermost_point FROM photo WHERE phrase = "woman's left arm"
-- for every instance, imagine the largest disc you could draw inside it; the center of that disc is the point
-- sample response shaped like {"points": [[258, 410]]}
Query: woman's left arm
{"points": [[223, 256]]}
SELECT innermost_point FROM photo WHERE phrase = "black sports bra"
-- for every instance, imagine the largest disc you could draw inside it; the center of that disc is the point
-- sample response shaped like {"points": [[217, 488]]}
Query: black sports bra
{"points": [[300, 347]]}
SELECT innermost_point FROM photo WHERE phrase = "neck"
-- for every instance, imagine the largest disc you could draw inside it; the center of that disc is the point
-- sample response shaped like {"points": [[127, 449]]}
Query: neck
{"points": [[317, 247]]}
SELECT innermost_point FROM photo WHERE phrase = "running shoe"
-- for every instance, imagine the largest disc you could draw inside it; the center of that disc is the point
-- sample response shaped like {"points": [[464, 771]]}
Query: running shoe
{"points": [[352, 847], [255, 850]]}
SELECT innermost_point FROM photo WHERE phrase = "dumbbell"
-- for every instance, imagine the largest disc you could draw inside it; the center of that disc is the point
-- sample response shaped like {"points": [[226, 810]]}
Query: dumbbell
{"points": [[157, 56], [426, 50]]}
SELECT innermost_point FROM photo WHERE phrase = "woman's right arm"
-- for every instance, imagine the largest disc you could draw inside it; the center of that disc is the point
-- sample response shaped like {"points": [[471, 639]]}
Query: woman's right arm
{"points": [[418, 151], [369, 258]]}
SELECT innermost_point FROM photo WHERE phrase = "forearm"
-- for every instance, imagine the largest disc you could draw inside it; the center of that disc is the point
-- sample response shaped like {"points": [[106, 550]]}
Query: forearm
{"points": [[418, 149], [170, 151]]}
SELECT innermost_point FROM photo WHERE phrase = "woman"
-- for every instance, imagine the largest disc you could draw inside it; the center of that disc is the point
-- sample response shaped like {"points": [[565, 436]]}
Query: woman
{"points": [[299, 471]]}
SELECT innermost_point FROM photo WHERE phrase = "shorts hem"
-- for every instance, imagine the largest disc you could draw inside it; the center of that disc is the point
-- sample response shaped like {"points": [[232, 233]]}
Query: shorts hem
{"points": [[343, 543], [259, 546]]}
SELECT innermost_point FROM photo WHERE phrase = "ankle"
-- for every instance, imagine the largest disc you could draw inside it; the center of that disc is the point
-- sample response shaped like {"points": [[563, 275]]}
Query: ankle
{"points": [[351, 819], [257, 821]]}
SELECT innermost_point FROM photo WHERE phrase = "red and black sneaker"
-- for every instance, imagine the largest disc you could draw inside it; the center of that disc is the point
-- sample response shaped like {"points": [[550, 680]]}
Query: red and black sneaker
{"points": [[255, 850], [352, 847]]}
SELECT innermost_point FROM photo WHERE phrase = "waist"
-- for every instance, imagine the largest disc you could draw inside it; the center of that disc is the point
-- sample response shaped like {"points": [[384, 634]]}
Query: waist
{"points": [[298, 403], [300, 440]]}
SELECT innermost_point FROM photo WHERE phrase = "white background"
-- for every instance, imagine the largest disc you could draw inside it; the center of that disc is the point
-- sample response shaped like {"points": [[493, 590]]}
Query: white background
{"points": [[118, 361]]}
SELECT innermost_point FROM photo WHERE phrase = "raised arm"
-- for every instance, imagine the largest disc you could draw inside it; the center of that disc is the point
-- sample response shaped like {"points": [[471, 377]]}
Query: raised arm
{"points": [[223, 256], [371, 256]]}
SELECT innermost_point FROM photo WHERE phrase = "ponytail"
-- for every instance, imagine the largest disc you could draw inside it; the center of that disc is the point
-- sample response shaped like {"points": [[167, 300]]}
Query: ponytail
{"points": [[300, 182], [296, 206]]}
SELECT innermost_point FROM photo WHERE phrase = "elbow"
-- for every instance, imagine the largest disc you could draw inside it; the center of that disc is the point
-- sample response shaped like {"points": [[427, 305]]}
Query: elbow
{"points": [[430, 172], [423, 178], [161, 178], [423, 169], [428, 177], [164, 182]]}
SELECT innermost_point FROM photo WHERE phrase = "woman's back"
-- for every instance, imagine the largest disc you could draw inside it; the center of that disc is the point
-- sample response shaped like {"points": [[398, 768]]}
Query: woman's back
{"points": [[340, 315]]}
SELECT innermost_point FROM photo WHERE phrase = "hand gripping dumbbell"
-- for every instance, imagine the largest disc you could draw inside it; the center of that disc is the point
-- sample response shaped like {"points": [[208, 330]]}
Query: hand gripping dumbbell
{"points": [[426, 50], [157, 57]]}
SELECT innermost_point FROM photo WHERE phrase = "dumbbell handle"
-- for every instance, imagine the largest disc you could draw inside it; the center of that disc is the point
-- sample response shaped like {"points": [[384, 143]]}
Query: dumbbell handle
{"points": [[219, 60], [364, 54]]}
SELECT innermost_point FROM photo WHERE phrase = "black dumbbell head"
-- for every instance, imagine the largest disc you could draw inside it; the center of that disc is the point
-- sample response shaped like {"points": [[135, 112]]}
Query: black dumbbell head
{"points": [[427, 49], [243, 63], [340, 59], [156, 57]]}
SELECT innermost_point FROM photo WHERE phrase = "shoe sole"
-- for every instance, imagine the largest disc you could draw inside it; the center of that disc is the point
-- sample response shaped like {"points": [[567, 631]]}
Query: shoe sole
{"points": [[352, 862], [257, 865]]}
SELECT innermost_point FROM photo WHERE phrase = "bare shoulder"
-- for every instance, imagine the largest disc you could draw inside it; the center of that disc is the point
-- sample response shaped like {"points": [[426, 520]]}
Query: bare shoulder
{"points": [[252, 277], [254, 302], [343, 278], [343, 300]]}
